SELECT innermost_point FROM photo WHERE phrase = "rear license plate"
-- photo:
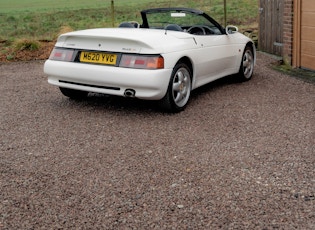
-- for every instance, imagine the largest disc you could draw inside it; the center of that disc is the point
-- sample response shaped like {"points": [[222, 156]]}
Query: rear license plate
{"points": [[98, 58]]}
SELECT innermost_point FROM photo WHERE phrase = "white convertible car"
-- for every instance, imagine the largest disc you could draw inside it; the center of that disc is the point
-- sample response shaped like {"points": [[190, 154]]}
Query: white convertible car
{"points": [[172, 52]]}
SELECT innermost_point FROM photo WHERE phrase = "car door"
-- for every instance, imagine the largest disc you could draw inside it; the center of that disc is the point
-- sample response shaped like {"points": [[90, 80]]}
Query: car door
{"points": [[217, 55]]}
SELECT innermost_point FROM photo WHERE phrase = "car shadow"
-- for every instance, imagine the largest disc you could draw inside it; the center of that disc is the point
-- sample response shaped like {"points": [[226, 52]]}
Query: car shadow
{"points": [[134, 105], [117, 103], [217, 84]]}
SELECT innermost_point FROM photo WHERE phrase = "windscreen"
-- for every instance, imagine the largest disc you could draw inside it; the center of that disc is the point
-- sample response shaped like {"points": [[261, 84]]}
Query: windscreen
{"points": [[159, 20]]}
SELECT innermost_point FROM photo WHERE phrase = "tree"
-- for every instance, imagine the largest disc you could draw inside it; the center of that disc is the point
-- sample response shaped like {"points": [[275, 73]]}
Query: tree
{"points": [[112, 12], [225, 22]]}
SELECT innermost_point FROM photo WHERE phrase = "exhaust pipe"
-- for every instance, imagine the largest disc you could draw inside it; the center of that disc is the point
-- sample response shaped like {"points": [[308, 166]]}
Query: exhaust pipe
{"points": [[130, 93]]}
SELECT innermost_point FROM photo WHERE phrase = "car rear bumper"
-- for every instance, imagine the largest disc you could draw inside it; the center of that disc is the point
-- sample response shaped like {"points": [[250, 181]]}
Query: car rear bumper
{"points": [[147, 84]]}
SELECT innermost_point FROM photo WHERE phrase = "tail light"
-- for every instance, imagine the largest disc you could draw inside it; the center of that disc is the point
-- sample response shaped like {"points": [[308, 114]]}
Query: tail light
{"points": [[59, 54], [142, 62]]}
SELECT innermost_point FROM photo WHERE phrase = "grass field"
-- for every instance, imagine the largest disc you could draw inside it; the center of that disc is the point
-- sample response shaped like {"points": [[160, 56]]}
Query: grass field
{"points": [[10, 6], [42, 19], [38, 20]]}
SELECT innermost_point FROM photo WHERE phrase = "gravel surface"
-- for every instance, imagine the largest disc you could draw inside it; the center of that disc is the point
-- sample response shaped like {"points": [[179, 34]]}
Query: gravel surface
{"points": [[241, 156]]}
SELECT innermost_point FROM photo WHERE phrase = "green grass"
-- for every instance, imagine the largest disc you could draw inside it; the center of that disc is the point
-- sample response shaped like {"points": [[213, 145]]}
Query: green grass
{"points": [[305, 75], [43, 19], [25, 44], [10, 6]]}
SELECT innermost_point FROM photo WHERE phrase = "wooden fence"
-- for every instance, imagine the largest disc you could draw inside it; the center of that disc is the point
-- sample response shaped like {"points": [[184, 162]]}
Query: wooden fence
{"points": [[271, 26]]}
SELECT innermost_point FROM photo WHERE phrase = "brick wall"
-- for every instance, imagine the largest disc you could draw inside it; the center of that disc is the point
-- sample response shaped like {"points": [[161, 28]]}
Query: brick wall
{"points": [[288, 31]]}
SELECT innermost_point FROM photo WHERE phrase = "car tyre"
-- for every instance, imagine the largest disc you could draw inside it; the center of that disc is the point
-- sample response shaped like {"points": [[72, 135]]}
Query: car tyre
{"points": [[179, 89], [73, 94], [247, 65]]}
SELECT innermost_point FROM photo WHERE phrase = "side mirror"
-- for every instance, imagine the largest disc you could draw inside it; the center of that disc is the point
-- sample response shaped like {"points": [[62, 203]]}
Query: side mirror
{"points": [[231, 29]]}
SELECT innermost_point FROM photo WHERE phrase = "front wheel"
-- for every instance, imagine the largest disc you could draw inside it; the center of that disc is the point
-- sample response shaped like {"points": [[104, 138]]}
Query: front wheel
{"points": [[247, 65], [73, 94], [179, 88]]}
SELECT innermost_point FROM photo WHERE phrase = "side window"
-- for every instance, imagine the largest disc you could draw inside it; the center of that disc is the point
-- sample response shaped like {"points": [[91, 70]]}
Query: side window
{"points": [[214, 30], [205, 27]]}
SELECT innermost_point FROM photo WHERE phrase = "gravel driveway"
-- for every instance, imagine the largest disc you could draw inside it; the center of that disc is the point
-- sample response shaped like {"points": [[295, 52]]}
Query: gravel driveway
{"points": [[241, 156]]}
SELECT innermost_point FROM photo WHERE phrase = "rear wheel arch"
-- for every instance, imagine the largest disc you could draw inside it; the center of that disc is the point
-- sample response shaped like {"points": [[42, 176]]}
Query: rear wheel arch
{"points": [[179, 88], [187, 61]]}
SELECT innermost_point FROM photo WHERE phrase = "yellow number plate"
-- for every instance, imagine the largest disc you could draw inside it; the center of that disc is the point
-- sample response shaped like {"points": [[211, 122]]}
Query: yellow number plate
{"points": [[99, 58]]}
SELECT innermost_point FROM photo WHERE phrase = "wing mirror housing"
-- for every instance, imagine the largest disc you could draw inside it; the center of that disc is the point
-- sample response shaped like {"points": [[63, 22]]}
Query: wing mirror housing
{"points": [[231, 29]]}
